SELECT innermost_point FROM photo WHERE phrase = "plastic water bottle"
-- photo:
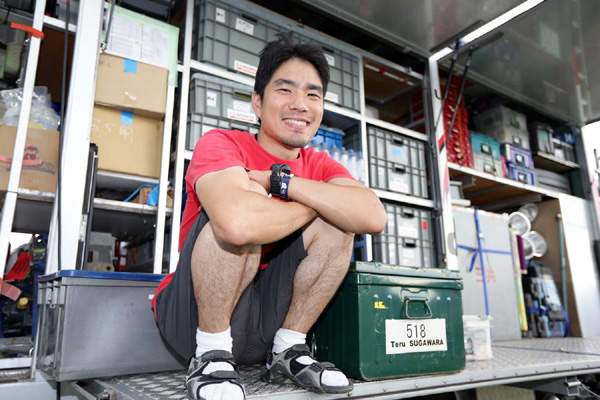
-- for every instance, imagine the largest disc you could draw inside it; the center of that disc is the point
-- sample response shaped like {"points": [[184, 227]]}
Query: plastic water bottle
{"points": [[334, 152], [361, 168], [352, 164], [344, 157]]}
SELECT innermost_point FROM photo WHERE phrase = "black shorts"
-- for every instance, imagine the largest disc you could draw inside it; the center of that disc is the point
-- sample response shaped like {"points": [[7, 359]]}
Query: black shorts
{"points": [[260, 312]]}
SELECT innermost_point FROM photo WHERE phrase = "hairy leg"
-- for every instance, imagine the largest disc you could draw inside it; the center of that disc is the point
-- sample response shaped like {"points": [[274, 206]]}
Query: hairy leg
{"points": [[320, 273], [220, 273]]}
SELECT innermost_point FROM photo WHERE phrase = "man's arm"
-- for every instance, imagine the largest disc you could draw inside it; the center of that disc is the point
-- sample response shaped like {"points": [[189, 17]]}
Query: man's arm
{"points": [[241, 216], [345, 203]]}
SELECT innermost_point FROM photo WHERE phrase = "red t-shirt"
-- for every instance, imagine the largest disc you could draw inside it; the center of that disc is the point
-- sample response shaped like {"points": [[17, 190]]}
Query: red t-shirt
{"points": [[220, 149]]}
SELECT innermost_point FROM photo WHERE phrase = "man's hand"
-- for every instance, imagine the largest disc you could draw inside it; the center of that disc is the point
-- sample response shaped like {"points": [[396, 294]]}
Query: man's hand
{"points": [[263, 178]]}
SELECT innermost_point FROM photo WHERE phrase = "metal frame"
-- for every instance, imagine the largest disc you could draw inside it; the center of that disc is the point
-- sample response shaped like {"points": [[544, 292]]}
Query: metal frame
{"points": [[78, 122], [10, 203]]}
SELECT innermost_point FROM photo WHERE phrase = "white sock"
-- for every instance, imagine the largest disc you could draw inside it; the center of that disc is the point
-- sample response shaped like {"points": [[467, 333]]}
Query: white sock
{"points": [[286, 338], [206, 341]]}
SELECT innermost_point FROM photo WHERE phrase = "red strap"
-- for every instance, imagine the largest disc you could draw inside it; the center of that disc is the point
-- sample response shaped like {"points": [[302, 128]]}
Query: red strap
{"points": [[28, 29]]}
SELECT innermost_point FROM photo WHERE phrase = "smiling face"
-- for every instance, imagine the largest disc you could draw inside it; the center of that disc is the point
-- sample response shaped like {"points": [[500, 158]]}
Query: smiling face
{"points": [[291, 108]]}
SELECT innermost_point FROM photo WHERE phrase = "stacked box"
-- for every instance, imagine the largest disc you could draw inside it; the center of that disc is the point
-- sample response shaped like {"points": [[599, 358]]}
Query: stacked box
{"points": [[552, 181], [407, 238], [388, 321], [519, 163], [397, 162], [199, 124], [486, 154], [521, 174], [540, 137], [505, 125], [231, 34]]}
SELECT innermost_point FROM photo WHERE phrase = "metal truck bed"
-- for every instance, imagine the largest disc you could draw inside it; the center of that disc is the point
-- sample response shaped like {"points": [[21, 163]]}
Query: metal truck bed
{"points": [[514, 361]]}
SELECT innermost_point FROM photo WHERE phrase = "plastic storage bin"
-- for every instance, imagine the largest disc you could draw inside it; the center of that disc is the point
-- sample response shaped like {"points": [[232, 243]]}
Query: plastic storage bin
{"points": [[486, 163], [478, 340], [388, 321], [505, 125], [218, 97], [540, 137], [485, 144], [199, 124], [521, 174], [232, 33], [329, 136], [517, 155], [97, 324], [553, 181], [407, 238], [397, 162]]}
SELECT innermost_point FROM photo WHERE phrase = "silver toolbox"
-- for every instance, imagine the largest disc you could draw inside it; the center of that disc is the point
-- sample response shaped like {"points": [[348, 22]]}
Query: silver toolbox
{"points": [[232, 33], [486, 163], [397, 162], [407, 239], [98, 324]]}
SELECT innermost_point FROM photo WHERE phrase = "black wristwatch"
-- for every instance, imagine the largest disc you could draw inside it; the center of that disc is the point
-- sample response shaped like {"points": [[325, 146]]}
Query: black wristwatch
{"points": [[275, 181]]}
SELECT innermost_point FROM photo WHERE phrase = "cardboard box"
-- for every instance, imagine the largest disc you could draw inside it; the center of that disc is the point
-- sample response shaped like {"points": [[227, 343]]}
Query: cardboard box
{"points": [[41, 155], [127, 143], [130, 85], [142, 196]]}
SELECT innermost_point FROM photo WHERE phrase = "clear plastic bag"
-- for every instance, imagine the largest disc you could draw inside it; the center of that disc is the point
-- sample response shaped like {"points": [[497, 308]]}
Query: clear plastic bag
{"points": [[42, 115]]}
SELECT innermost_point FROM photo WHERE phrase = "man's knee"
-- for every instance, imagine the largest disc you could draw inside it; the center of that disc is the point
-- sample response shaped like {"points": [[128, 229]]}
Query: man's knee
{"points": [[323, 234]]}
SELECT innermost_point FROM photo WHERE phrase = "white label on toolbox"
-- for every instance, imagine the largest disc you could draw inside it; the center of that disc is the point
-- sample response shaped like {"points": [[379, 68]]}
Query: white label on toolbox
{"points": [[329, 96], [398, 184], [242, 106], [330, 59], [220, 15], [245, 68], [244, 26], [415, 336], [408, 231], [211, 99], [241, 116]]}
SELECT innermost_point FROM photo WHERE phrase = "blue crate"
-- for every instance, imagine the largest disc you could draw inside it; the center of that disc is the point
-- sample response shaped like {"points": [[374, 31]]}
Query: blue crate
{"points": [[521, 174], [329, 137]]}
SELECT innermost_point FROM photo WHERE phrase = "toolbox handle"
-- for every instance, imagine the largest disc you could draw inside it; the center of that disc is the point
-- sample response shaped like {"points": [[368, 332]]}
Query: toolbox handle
{"points": [[489, 168], [401, 169], [486, 149], [408, 297], [410, 243], [408, 213], [520, 159], [522, 177], [398, 140]]}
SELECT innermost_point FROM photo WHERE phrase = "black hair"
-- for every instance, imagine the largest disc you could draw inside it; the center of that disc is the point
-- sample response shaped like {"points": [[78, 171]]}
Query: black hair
{"points": [[283, 49]]}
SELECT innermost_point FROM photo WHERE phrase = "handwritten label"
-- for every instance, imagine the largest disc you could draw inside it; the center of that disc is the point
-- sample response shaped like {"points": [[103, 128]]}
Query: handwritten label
{"points": [[211, 99], [220, 15], [244, 26]]}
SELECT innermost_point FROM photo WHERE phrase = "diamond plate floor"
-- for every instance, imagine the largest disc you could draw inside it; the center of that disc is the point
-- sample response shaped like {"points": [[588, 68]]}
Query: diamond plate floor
{"points": [[520, 359]]}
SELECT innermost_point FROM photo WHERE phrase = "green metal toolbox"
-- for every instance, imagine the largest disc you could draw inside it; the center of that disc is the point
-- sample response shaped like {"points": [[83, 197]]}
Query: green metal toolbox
{"points": [[388, 321]]}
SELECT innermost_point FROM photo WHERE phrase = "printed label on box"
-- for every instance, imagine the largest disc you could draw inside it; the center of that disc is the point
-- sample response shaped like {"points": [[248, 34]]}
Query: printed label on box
{"points": [[241, 116], [245, 68], [398, 184], [408, 231], [242, 106], [211, 99], [244, 26], [330, 59], [329, 96], [220, 15], [408, 254], [415, 336]]}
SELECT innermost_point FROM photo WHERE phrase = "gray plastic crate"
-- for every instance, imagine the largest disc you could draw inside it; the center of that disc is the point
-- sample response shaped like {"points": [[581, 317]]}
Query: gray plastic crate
{"points": [[486, 163], [397, 162], [199, 124], [407, 239], [218, 97], [231, 34]]}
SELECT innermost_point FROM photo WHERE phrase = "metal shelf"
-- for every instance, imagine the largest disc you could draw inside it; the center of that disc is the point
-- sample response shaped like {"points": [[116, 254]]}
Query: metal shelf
{"points": [[553, 163], [488, 191], [125, 182], [397, 129], [403, 198], [509, 365], [58, 24]]}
